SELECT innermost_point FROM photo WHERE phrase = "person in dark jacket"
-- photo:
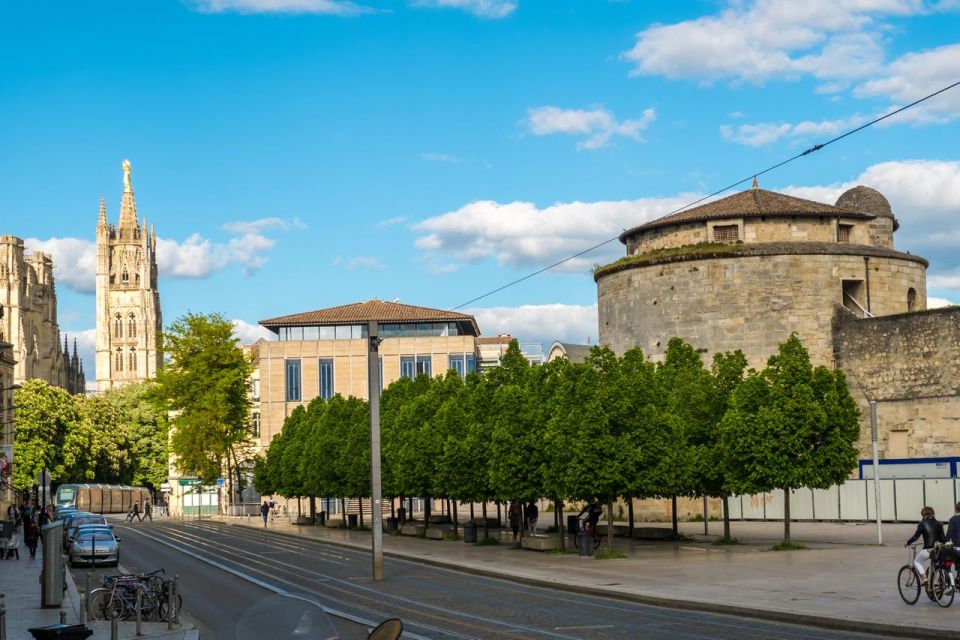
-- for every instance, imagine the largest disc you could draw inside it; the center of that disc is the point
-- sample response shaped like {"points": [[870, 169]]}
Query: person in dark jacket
{"points": [[31, 535], [953, 528], [931, 530]]}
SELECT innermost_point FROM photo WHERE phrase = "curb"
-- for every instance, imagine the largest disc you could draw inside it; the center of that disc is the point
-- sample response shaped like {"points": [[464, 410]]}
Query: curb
{"points": [[789, 617]]}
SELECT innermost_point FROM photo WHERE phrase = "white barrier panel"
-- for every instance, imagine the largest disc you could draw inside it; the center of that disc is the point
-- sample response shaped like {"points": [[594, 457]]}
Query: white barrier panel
{"points": [[774, 501], [909, 499], [887, 503], [801, 504], [733, 503], [826, 503], [753, 507], [853, 500], [940, 496]]}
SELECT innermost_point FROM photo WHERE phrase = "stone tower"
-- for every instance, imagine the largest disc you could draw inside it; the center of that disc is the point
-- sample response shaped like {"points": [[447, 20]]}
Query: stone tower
{"points": [[128, 301]]}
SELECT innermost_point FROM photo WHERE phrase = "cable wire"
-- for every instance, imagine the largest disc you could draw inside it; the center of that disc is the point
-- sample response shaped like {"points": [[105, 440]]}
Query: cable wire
{"points": [[813, 149]]}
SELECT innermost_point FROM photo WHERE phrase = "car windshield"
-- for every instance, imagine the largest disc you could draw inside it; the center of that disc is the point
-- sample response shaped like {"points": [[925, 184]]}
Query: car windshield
{"points": [[99, 535]]}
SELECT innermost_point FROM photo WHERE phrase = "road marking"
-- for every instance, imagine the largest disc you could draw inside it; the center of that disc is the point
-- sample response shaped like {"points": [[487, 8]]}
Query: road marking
{"points": [[270, 587], [584, 627]]}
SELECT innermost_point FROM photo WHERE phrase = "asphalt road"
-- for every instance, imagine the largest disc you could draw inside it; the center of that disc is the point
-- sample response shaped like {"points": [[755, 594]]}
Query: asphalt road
{"points": [[250, 565]]}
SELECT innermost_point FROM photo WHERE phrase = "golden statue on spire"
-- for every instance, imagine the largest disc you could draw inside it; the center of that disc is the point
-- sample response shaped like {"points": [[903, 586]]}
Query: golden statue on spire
{"points": [[127, 184]]}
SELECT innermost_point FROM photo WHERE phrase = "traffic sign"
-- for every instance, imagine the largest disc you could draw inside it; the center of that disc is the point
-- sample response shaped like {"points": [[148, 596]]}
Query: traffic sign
{"points": [[219, 482], [189, 482]]}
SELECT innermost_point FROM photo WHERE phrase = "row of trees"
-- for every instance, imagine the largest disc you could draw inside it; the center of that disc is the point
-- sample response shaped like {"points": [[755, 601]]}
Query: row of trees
{"points": [[118, 437], [607, 428]]}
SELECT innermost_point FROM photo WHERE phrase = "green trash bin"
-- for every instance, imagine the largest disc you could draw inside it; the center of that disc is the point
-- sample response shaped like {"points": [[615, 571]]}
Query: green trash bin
{"points": [[470, 533], [61, 632]]}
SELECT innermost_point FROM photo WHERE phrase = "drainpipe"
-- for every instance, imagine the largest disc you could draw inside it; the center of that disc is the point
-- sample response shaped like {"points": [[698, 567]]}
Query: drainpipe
{"points": [[866, 268]]}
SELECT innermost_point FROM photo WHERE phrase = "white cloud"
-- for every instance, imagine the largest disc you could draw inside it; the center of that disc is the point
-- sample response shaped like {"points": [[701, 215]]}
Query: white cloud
{"points": [[74, 261], [519, 234], [389, 222], [249, 333], [319, 7], [440, 157], [764, 133], [540, 322], [365, 262], [261, 225], [760, 40], [937, 303], [597, 124], [494, 9]]}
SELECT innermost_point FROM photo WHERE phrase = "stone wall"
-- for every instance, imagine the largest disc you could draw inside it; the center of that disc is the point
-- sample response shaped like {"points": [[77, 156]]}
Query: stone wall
{"points": [[750, 301], [909, 364]]}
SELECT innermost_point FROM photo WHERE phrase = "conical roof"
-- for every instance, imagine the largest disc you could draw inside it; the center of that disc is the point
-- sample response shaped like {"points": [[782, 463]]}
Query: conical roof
{"points": [[128, 206]]}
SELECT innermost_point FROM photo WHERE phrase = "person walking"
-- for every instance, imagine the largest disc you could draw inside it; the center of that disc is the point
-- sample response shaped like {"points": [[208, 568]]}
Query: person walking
{"points": [[148, 510], [31, 536], [130, 514], [264, 512], [516, 517], [136, 512], [533, 514]]}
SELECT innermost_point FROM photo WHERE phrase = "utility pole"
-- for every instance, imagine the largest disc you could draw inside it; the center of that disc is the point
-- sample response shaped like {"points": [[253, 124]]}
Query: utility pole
{"points": [[373, 396], [876, 467]]}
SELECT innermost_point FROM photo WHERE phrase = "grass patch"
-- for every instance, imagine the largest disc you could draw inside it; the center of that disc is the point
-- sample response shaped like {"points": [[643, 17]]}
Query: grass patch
{"points": [[489, 542], [788, 546], [451, 536], [608, 554], [703, 249], [726, 541]]}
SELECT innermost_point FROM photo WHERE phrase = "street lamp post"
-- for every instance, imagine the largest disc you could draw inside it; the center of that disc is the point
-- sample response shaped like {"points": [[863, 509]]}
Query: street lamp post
{"points": [[373, 393]]}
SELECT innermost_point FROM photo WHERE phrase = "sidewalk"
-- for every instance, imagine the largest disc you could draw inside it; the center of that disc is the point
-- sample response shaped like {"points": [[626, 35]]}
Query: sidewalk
{"points": [[842, 581], [20, 582]]}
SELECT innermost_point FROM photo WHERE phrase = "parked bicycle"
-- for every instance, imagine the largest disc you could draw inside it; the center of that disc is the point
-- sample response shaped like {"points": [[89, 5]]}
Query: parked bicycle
{"points": [[118, 597], [940, 584]]}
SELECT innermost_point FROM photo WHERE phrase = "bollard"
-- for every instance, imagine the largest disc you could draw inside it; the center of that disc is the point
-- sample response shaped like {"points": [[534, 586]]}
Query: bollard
{"points": [[170, 605], [113, 628], [63, 617], [173, 603], [139, 612], [3, 617], [83, 607]]}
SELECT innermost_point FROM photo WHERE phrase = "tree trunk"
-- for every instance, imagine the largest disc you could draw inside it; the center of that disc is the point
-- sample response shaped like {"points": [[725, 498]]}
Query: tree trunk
{"points": [[499, 515], [313, 509], [610, 524], [726, 516], [360, 506], [426, 513], [343, 511], [230, 478], [563, 538], [676, 526], [786, 515], [630, 517], [486, 523], [456, 521], [393, 508], [471, 514], [299, 512]]}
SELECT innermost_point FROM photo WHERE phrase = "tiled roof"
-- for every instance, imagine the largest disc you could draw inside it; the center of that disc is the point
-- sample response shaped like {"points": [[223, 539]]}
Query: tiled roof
{"points": [[748, 204], [495, 340], [363, 312]]}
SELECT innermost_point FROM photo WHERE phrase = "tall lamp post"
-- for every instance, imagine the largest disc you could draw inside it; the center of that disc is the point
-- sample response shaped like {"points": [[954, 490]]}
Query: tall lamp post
{"points": [[373, 388]]}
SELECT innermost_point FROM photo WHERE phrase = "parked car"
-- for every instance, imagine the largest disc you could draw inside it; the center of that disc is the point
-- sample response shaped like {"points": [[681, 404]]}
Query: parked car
{"points": [[95, 544], [77, 522]]}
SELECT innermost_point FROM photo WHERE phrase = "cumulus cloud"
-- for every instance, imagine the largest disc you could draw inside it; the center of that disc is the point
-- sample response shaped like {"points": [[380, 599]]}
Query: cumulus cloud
{"points": [[319, 7], [765, 133], [494, 9], [520, 234], [248, 333], [540, 322], [597, 125], [937, 303], [74, 261], [389, 222]]}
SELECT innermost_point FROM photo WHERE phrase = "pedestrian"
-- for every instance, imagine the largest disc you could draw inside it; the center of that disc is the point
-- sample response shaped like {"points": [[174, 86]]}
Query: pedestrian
{"points": [[532, 515], [516, 517], [148, 510], [931, 530], [136, 512], [31, 535], [264, 512]]}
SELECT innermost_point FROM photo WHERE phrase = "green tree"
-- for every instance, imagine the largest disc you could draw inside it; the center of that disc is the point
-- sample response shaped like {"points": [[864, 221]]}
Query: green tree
{"points": [[45, 416], [205, 386], [145, 429], [790, 426]]}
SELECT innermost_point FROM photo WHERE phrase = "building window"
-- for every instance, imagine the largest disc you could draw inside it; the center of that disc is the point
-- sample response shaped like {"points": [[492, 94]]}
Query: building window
{"points": [[911, 299], [726, 233], [125, 277], [118, 327], [408, 367], [132, 326], [255, 390], [255, 424], [119, 359], [843, 232], [326, 378], [133, 359], [293, 380], [456, 363], [423, 365], [471, 363]]}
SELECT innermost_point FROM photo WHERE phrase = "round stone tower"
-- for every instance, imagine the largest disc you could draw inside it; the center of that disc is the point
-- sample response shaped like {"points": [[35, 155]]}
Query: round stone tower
{"points": [[745, 271]]}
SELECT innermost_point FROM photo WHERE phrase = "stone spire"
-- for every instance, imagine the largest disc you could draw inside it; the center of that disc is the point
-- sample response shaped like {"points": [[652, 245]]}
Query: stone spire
{"points": [[76, 358], [102, 220], [153, 239], [128, 207]]}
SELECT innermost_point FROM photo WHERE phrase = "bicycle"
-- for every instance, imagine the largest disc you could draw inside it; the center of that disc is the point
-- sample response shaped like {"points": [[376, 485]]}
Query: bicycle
{"points": [[939, 586], [118, 597], [590, 529]]}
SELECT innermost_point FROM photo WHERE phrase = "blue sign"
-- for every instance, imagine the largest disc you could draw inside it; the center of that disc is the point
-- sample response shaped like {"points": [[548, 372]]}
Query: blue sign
{"points": [[219, 482]]}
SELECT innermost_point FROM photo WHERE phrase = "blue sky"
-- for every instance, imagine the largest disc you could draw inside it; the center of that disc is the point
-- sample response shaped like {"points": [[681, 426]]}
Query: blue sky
{"points": [[298, 154]]}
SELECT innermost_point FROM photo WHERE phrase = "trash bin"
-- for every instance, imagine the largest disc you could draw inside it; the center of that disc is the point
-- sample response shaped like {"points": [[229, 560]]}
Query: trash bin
{"points": [[573, 524], [322, 518], [470, 533], [584, 544], [391, 525], [352, 519], [402, 515], [61, 632]]}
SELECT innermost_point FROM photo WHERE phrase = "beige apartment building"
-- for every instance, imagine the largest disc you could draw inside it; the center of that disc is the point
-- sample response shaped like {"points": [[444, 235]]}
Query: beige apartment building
{"points": [[323, 353]]}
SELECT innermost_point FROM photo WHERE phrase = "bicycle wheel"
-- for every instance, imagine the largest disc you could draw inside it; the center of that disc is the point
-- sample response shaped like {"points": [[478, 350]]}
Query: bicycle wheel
{"points": [[163, 607], [908, 583], [941, 587], [596, 541], [97, 604]]}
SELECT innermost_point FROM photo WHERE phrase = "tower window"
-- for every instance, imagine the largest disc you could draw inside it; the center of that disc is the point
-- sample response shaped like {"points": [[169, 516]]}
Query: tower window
{"points": [[118, 327], [843, 232], [132, 326], [133, 359], [125, 277], [119, 359], [255, 424], [726, 233], [911, 299]]}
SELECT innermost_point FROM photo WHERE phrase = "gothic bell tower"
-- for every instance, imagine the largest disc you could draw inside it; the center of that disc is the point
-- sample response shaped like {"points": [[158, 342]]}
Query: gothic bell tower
{"points": [[129, 323]]}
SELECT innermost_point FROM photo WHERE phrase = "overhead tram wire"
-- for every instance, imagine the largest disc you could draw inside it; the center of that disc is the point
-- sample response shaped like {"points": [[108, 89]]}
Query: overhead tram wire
{"points": [[813, 149]]}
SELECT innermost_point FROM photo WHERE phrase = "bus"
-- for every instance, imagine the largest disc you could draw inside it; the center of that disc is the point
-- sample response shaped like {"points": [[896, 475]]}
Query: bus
{"points": [[100, 498]]}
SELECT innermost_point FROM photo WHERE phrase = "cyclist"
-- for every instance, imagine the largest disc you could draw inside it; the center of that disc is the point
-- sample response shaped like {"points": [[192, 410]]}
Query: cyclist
{"points": [[931, 530], [590, 516]]}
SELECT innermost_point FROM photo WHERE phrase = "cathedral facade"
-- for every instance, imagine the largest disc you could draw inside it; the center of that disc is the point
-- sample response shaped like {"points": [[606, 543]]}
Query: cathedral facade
{"points": [[29, 332], [129, 322]]}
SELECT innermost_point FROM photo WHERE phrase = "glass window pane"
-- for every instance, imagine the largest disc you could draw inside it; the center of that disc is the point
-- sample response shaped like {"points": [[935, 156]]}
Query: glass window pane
{"points": [[344, 332], [326, 333], [359, 331], [423, 365], [454, 329], [423, 329], [456, 363], [407, 367], [326, 378], [310, 333], [390, 331], [296, 333], [293, 380], [282, 334], [471, 363]]}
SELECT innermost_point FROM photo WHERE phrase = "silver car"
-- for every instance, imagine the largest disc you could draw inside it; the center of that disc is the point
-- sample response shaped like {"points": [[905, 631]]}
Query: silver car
{"points": [[95, 544]]}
